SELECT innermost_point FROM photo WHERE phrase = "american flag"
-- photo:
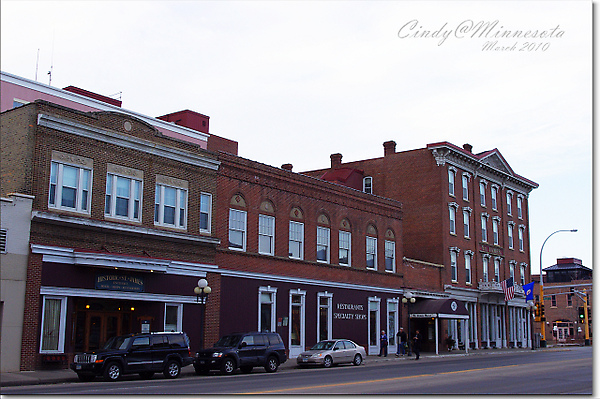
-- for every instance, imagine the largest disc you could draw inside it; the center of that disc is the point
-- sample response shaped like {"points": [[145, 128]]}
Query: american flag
{"points": [[508, 287]]}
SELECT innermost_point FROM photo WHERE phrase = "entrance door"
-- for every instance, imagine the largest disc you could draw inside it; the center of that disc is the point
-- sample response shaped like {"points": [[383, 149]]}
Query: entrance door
{"points": [[99, 327], [297, 322], [562, 333]]}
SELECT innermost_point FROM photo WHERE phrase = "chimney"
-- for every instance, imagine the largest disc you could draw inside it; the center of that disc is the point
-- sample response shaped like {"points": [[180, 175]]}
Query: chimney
{"points": [[389, 148], [336, 160], [468, 147], [287, 166]]}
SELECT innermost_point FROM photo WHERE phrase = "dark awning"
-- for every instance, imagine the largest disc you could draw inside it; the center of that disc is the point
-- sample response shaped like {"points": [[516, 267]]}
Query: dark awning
{"points": [[440, 308]]}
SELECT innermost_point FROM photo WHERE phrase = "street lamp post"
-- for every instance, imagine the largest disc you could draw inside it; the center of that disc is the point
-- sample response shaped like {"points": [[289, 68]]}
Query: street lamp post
{"points": [[531, 308], [407, 300], [543, 314], [202, 291]]}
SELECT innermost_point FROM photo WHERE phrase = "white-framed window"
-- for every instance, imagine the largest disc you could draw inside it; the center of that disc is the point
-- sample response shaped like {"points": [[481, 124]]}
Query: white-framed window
{"points": [[170, 205], [465, 186], [368, 185], [520, 207], [237, 229], [205, 212], [266, 235], [497, 270], [345, 255], [486, 266], [324, 316], [123, 197], [522, 274], [390, 256], [173, 317], [466, 222], [54, 320], [451, 183], [371, 250], [454, 264], [494, 197], [484, 228], [296, 240], [511, 268], [482, 185], [452, 207], [267, 308], [297, 321], [511, 240], [521, 239], [495, 227], [322, 244], [468, 258], [70, 187], [509, 203]]}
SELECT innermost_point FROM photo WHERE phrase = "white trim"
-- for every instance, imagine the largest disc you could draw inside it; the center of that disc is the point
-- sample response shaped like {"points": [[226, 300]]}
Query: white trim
{"points": [[373, 349], [62, 322], [329, 296], [273, 292], [179, 316], [295, 350], [108, 294]]}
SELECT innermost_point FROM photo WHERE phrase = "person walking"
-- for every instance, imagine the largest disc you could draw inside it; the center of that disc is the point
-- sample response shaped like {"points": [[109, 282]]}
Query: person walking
{"points": [[417, 344], [383, 343], [401, 339]]}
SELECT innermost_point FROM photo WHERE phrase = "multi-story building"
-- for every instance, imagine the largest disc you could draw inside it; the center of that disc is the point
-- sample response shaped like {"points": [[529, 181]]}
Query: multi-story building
{"points": [[567, 287], [467, 213]]}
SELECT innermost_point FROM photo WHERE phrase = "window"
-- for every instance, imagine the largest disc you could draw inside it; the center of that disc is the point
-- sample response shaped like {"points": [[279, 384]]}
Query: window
{"points": [[323, 244], [266, 306], [296, 240], [54, 317], [510, 236], [173, 317], [3, 236], [123, 197], [266, 235], [297, 318], [390, 256], [368, 185], [325, 317], [486, 263], [466, 218], [521, 242], [237, 229], [509, 203], [512, 270], [170, 204], [452, 210], [569, 300], [522, 275], [465, 187], [70, 187], [453, 264], [205, 212], [451, 175], [494, 197], [495, 231], [483, 228], [553, 301], [520, 207], [482, 193], [371, 249], [497, 270], [345, 243], [468, 257]]}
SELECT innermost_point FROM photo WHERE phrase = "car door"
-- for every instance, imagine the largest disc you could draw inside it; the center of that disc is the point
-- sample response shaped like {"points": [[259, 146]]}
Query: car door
{"points": [[339, 352], [246, 351], [260, 348], [139, 356], [160, 349]]}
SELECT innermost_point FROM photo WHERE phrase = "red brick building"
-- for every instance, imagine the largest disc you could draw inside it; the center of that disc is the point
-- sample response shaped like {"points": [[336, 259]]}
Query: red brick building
{"points": [[466, 212]]}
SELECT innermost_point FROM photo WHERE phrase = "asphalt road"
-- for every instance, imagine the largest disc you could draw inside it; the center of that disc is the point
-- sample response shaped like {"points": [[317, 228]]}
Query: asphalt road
{"points": [[566, 371]]}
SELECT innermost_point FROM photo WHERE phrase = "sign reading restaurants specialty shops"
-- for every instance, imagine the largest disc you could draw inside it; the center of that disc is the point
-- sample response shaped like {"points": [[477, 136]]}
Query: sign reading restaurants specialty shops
{"points": [[119, 282], [349, 312]]}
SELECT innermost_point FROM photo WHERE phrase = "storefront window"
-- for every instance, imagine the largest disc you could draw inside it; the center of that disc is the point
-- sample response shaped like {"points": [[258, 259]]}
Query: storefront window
{"points": [[53, 325]]}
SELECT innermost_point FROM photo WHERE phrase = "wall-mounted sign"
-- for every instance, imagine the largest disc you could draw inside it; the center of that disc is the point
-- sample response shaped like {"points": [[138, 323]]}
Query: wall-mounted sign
{"points": [[491, 249], [350, 312], [119, 282]]}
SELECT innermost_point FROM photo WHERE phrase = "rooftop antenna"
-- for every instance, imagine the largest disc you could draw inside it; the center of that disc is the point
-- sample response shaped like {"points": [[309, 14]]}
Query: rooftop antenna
{"points": [[37, 63], [51, 62]]}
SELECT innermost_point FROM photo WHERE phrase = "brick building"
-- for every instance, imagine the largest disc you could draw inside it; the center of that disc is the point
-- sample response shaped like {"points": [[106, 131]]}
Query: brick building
{"points": [[467, 213]]}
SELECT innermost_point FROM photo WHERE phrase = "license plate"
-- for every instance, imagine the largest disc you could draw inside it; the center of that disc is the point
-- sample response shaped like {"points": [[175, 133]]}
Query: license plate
{"points": [[201, 361], [78, 366], [304, 360]]}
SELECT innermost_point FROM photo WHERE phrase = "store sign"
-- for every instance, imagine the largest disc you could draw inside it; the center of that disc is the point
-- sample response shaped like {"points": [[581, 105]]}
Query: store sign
{"points": [[349, 311], [119, 282], [491, 249]]}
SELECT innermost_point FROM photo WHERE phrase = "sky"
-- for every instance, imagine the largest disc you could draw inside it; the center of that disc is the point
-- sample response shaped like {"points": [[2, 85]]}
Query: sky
{"points": [[293, 82]]}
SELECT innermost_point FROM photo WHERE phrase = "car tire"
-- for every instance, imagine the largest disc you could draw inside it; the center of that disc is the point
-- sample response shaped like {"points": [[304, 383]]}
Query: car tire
{"points": [[113, 371], [146, 375], [327, 362], [85, 377], [272, 364], [172, 369], [246, 369], [357, 360], [228, 366]]}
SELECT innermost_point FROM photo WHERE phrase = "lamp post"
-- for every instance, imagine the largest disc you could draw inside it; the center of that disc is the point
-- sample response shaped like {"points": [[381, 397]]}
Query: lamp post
{"points": [[202, 291], [543, 314], [407, 300], [531, 308]]}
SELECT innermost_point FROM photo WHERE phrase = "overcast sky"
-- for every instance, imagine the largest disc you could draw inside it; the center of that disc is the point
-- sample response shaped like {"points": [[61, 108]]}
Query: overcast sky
{"points": [[294, 82]]}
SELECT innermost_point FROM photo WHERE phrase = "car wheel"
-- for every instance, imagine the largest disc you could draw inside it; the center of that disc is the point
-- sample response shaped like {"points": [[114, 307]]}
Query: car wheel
{"points": [[112, 372], [85, 377], [246, 369], [172, 369], [146, 375], [228, 366], [272, 364], [357, 359], [327, 362], [201, 370]]}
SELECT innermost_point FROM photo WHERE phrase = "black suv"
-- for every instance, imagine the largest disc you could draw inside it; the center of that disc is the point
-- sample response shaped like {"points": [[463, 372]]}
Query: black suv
{"points": [[136, 353], [243, 350]]}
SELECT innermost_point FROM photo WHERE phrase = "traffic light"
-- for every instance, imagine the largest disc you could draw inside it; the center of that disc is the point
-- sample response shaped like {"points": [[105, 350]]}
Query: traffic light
{"points": [[581, 313], [542, 313]]}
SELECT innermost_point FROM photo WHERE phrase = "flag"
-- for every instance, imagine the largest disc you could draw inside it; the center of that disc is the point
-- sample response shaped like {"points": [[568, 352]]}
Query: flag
{"points": [[509, 289], [528, 288]]}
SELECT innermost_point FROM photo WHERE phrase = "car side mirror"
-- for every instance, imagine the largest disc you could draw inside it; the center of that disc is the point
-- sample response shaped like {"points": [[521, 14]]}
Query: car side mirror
{"points": [[336, 348], [243, 344]]}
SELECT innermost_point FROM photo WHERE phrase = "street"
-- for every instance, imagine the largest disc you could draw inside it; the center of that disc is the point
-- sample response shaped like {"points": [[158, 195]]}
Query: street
{"points": [[558, 371]]}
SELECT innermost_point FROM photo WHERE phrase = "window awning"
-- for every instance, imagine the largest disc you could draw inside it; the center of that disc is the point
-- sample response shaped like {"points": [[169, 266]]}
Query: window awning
{"points": [[440, 308]]}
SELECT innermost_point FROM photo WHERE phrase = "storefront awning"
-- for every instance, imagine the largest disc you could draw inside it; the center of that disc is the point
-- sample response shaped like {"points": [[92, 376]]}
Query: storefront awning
{"points": [[440, 308]]}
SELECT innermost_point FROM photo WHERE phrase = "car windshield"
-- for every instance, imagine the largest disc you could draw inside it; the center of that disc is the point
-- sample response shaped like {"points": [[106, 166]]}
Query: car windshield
{"points": [[228, 341], [323, 345], [117, 343]]}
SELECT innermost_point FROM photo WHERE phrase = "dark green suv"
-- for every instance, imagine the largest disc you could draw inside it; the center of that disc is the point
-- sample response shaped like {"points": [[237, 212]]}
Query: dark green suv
{"points": [[143, 354], [244, 351]]}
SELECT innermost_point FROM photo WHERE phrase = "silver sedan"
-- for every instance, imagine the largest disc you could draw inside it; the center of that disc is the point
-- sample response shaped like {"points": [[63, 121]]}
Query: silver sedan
{"points": [[334, 351]]}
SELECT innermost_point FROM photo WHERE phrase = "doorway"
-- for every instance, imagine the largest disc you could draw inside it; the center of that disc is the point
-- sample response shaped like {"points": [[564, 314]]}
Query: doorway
{"points": [[97, 322]]}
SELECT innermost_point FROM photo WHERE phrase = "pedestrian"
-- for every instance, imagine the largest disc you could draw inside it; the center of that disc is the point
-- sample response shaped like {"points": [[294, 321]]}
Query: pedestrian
{"points": [[383, 343], [417, 344], [401, 339]]}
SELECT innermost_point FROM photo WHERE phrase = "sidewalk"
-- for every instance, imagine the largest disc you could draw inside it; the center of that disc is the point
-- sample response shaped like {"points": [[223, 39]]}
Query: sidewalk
{"points": [[67, 375]]}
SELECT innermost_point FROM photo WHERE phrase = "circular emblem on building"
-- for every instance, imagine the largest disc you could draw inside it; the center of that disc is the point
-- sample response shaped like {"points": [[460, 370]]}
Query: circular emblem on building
{"points": [[454, 306], [127, 126]]}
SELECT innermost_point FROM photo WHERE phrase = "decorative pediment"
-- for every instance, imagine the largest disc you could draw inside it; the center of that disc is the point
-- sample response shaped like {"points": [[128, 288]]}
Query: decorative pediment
{"points": [[495, 160]]}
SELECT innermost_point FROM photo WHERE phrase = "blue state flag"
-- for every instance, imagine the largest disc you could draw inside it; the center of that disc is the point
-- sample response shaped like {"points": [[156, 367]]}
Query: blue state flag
{"points": [[528, 288]]}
